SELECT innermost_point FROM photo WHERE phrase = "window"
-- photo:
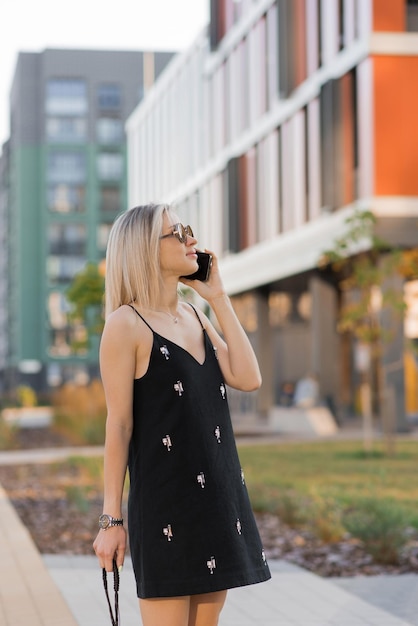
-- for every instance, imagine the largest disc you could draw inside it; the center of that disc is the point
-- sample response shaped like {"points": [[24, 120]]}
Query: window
{"points": [[412, 16], [62, 269], [66, 129], [65, 96], [58, 308], [66, 341], [103, 231], [109, 97], [110, 166], [66, 198], [59, 373], [64, 239], [109, 130], [110, 200], [66, 167], [339, 141], [63, 336]]}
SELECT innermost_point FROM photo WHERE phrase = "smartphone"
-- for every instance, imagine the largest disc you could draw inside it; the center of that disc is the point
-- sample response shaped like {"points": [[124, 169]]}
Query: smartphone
{"points": [[204, 261]]}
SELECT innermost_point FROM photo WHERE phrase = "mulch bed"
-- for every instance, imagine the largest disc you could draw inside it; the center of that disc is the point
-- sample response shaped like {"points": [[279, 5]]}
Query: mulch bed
{"points": [[60, 508]]}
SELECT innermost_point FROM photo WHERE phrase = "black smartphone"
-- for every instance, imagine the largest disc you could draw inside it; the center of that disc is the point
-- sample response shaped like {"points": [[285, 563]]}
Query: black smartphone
{"points": [[204, 261]]}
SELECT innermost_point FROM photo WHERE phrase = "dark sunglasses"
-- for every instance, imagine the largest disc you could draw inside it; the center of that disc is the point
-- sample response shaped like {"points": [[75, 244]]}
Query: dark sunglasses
{"points": [[181, 232]]}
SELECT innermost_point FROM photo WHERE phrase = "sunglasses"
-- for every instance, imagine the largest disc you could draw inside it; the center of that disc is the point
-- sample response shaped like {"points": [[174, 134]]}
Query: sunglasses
{"points": [[180, 232]]}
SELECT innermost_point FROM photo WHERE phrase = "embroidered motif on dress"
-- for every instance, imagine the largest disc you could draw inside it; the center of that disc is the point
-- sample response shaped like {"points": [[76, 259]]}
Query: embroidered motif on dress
{"points": [[263, 556], [167, 442], [165, 352], [239, 526], [217, 434], [168, 532], [211, 564], [215, 351], [242, 477], [222, 390], [178, 386], [201, 479]]}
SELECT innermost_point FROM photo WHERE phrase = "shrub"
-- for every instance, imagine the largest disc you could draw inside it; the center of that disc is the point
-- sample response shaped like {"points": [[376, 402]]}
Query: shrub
{"points": [[26, 396], [8, 439], [80, 413], [291, 508], [325, 519], [380, 525]]}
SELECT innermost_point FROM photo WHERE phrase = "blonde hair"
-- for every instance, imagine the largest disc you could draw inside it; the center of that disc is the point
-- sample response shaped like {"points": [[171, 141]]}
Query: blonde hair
{"points": [[133, 258]]}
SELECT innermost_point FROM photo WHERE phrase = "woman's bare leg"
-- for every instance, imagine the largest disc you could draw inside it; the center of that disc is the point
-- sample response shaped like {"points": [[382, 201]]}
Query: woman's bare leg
{"points": [[165, 611], [205, 608], [198, 610]]}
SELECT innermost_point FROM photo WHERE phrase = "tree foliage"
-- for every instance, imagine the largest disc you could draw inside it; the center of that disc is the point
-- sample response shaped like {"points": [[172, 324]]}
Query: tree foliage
{"points": [[363, 264], [85, 295]]}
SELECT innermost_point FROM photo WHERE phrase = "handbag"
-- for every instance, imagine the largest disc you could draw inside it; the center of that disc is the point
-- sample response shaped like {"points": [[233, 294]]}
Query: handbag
{"points": [[114, 616]]}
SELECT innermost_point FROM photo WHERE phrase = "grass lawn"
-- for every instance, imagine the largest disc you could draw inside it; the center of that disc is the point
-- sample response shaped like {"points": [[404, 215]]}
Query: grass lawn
{"points": [[338, 471]]}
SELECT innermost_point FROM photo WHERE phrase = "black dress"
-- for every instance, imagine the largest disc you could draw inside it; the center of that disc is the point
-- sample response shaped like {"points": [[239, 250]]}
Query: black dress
{"points": [[191, 527]]}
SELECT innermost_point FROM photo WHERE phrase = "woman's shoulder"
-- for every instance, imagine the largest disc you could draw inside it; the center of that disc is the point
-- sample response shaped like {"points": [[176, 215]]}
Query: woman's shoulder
{"points": [[122, 321]]}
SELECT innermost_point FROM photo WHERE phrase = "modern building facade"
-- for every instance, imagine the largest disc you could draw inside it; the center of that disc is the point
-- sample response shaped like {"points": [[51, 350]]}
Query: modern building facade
{"points": [[268, 132], [63, 183]]}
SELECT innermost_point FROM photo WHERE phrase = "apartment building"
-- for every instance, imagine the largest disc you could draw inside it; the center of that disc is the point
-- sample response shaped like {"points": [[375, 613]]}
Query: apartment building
{"points": [[63, 182], [271, 129]]}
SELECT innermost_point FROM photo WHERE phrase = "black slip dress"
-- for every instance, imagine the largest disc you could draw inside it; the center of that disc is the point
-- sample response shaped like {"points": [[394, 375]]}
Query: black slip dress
{"points": [[190, 522]]}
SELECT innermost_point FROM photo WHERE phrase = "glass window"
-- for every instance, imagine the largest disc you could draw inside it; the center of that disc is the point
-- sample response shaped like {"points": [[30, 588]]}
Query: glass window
{"points": [[66, 96], [66, 129], [109, 130], [59, 373], [58, 308], [63, 268], [65, 198], [412, 16], [110, 200], [110, 166], [65, 341], [66, 167], [103, 231], [67, 239], [109, 97]]}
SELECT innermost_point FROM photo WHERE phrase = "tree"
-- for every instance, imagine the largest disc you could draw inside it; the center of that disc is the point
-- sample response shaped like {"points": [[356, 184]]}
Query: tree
{"points": [[362, 264], [85, 294]]}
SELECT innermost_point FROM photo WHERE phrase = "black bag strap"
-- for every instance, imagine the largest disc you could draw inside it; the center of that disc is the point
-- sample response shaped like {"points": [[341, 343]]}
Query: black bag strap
{"points": [[115, 617]]}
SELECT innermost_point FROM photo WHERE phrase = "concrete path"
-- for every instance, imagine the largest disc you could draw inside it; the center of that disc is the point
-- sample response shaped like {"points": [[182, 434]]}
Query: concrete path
{"points": [[294, 597], [28, 594]]}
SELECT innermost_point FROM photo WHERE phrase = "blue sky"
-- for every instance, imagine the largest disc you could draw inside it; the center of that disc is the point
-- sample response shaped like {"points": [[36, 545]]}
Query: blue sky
{"points": [[30, 26]]}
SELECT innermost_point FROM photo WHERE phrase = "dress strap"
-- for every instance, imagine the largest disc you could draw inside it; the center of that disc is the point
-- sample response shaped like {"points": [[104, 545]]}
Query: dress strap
{"points": [[145, 321], [197, 315]]}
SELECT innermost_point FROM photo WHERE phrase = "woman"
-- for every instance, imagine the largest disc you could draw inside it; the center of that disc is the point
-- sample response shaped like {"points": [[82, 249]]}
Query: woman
{"points": [[165, 369]]}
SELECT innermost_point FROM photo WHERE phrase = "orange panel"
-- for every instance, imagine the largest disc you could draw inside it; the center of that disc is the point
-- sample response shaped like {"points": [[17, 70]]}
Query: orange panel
{"points": [[396, 125], [389, 15], [299, 34]]}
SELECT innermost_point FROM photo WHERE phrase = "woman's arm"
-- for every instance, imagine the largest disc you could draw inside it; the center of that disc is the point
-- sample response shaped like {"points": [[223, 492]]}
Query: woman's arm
{"points": [[117, 366], [235, 353]]}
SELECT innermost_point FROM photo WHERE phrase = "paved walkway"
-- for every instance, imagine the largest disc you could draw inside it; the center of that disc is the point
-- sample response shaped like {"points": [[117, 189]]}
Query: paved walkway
{"points": [[294, 597]]}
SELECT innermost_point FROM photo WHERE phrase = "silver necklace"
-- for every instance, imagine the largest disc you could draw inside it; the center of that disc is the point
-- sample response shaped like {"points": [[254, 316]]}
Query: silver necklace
{"points": [[173, 317]]}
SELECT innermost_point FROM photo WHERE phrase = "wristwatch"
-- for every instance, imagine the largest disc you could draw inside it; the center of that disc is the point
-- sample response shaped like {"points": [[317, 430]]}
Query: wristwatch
{"points": [[107, 521]]}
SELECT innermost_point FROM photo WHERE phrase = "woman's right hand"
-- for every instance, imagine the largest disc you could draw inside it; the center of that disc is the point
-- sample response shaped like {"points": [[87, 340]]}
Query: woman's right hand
{"points": [[110, 544]]}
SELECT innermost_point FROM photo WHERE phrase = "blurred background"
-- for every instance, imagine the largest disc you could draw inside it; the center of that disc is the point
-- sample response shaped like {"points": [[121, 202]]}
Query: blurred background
{"points": [[286, 132]]}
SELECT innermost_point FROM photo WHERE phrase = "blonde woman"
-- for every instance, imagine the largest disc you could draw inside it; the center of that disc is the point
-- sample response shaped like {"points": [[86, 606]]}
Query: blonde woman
{"points": [[165, 369]]}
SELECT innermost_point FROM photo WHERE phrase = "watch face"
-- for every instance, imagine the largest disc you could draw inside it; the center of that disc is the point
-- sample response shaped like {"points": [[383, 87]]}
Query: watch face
{"points": [[104, 521]]}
